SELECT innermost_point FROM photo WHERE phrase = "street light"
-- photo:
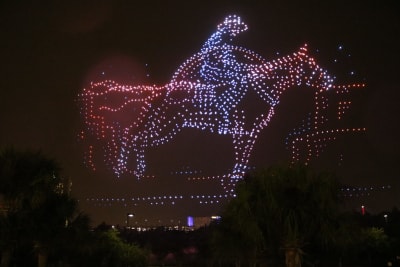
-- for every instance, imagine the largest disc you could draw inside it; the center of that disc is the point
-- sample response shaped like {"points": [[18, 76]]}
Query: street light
{"points": [[128, 216]]}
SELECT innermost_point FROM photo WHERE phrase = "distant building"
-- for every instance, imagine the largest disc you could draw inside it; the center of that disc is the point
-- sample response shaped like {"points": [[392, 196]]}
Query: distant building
{"points": [[198, 222]]}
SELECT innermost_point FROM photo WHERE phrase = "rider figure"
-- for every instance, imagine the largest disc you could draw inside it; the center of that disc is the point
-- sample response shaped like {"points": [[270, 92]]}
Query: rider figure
{"points": [[220, 65]]}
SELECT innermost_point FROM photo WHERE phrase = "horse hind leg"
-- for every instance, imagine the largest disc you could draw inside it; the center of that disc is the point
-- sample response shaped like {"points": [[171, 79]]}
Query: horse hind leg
{"points": [[129, 157], [140, 163], [120, 166]]}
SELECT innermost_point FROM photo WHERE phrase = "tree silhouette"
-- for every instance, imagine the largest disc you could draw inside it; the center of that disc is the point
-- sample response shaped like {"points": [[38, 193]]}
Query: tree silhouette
{"points": [[37, 205], [286, 208]]}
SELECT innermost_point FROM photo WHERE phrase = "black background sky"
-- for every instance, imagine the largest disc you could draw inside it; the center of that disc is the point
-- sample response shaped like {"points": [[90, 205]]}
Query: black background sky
{"points": [[50, 50]]}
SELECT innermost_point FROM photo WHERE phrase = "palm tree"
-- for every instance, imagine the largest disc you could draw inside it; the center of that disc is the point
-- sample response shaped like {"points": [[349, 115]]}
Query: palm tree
{"points": [[7, 240], [292, 207], [50, 224], [237, 237], [16, 193], [28, 186]]}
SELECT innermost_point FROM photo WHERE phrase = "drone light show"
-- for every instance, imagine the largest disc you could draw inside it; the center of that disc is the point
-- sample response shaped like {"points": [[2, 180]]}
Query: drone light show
{"points": [[206, 93]]}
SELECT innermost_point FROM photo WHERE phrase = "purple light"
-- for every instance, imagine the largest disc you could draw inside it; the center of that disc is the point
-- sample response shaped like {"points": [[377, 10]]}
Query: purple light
{"points": [[190, 221]]}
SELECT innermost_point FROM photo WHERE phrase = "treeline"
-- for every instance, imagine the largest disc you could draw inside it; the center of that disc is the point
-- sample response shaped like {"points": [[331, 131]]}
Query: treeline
{"points": [[40, 223], [281, 216]]}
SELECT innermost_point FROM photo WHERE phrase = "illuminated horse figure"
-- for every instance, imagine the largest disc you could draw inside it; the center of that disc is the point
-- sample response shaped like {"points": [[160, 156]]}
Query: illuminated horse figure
{"points": [[205, 93], [268, 80], [166, 110]]}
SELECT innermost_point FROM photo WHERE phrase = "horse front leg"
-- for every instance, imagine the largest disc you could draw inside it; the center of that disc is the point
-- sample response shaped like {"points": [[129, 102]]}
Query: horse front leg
{"points": [[243, 143], [243, 146]]}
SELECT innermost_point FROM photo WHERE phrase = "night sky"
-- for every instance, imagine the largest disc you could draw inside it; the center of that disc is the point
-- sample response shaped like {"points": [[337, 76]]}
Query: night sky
{"points": [[50, 52]]}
